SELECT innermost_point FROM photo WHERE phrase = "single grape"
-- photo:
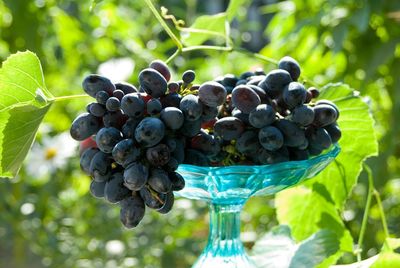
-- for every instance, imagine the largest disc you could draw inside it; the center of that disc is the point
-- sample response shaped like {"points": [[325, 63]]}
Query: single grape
{"points": [[314, 92], [100, 165], [334, 132], [125, 152], [172, 99], [126, 87], [229, 128], [318, 138], [229, 80], [135, 176], [151, 198], [248, 143], [159, 180], [113, 104], [245, 99], [132, 105], [188, 76], [158, 155], [162, 68], [97, 109], [84, 126], [114, 190], [102, 97], [324, 114], [172, 117], [294, 94], [209, 113], [205, 143], [241, 82], [149, 131], [330, 103], [132, 211], [97, 189], [271, 138], [293, 135], [190, 128], [94, 83], [172, 165], [152, 82], [178, 182], [191, 107], [212, 94], [259, 71], [302, 115], [168, 203], [86, 158], [114, 119], [107, 138], [173, 87], [241, 115], [153, 107], [275, 82], [128, 129], [262, 116], [261, 93], [291, 65], [119, 94]]}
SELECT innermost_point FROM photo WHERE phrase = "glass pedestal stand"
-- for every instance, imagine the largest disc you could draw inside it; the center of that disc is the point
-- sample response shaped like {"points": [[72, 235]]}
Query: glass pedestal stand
{"points": [[227, 189]]}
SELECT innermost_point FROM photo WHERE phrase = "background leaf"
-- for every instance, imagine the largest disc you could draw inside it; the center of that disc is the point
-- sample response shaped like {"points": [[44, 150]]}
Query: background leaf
{"points": [[24, 100], [233, 7]]}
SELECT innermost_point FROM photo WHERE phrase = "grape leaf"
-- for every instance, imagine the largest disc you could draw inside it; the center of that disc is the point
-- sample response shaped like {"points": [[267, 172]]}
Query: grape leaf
{"points": [[358, 142], [278, 249], [208, 27], [24, 100], [233, 7], [387, 260]]}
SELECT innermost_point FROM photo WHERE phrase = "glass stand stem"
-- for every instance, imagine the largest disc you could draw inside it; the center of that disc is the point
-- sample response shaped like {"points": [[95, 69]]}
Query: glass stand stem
{"points": [[224, 248]]}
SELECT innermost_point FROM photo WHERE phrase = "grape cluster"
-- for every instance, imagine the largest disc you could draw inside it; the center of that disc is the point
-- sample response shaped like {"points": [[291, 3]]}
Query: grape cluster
{"points": [[134, 139]]}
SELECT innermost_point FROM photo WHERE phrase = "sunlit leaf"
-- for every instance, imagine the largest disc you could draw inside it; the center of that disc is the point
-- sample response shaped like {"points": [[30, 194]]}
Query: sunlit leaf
{"points": [[234, 6], [24, 100]]}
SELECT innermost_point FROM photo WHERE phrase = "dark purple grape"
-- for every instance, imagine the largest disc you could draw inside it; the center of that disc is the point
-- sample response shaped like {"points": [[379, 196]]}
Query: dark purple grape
{"points": [[100, 167], [125, 152], [318, 138], [135, 176], [293, 135], [126, 87], [262, 116], [172, 117], [294, 95], [330, 103], [94, 83], [229, 80], [302, 115], [261, 93], [275, 82], [178, 183], [334, 132], [270, 138], [113, 104], [86, 158], [296, 154], [115, 191], [132, 105], [114, 119], [191, 107], [84, 126], [171, 143], [132, 211], [153, 107], [205, 143], [255, 80], [168, 203], [229, 128], [119, 94], [170, 100], [190, 128], [172, 165], [97, 189], [259, 71], [150, 131], [159, 180], [245, 99], [195, 157], [241, 82], [107, 138], [209, 113], [246, 75], [248, 143], [97, 109], [212, 94], [240, 115], [272, 157], [314, 92], [128, 129], [324, 114], [188, 76], [102, 97], [158, 155], [162, 68], [152, 82], [173, 87], [308, 97], [291, 65], [151, 198]]}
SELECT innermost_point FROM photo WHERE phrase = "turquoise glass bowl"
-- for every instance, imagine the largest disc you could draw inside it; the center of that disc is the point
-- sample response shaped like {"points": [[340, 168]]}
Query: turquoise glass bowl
{"points": [[226, 189]]}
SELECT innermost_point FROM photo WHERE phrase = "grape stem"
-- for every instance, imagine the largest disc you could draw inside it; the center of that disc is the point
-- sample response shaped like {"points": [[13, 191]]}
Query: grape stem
{"points": [[62, 98]]}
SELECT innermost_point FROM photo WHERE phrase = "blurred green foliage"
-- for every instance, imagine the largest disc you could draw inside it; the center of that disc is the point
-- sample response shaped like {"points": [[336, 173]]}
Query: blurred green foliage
{"points": [[51, 220]]}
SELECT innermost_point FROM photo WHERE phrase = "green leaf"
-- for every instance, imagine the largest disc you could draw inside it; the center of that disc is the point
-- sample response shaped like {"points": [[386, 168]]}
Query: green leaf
{"points": [[233, 7], [278, 249], [24, 100], [387, 260], [204, 28], [358, 142], [391, 244]]}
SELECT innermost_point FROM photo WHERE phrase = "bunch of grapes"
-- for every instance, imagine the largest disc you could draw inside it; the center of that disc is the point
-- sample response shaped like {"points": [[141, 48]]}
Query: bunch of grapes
{"points": [[134, 139]]}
